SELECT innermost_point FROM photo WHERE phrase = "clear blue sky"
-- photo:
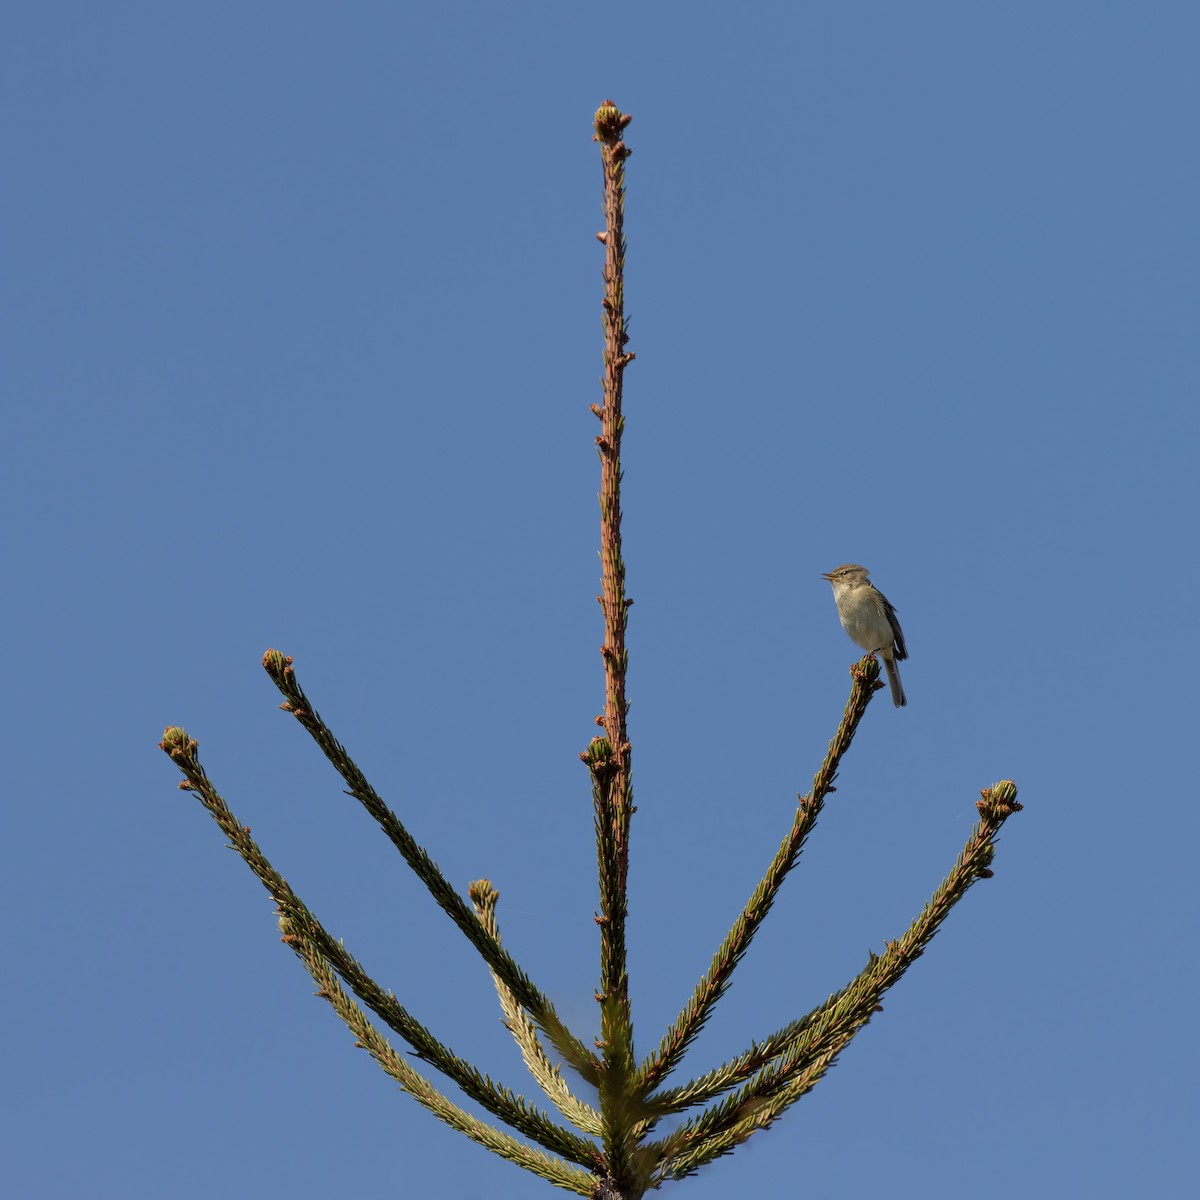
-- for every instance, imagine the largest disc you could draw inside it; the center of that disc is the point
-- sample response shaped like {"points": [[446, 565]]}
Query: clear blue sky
{"points": [[301, 326]]}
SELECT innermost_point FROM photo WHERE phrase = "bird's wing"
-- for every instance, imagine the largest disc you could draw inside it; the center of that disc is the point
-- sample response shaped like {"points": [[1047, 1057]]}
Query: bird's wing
{"points": [[897, 632]]}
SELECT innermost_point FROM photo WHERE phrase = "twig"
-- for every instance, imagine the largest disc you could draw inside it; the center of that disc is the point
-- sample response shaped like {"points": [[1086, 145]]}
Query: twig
{"points": [[279, 667], [496, 1099], [549, 1078], [558, 1172], [827, 1031], [865, 676]]}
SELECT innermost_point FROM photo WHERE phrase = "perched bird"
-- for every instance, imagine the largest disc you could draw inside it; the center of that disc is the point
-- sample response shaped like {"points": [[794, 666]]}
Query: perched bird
{"points": [[870, 620]]}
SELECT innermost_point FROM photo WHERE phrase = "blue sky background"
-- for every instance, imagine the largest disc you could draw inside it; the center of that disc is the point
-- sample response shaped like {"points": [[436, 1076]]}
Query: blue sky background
{"points": [[301, 326]]}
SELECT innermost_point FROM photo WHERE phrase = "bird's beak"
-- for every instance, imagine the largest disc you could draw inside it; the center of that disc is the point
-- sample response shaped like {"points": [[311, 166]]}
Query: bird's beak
{"points": [[827, 575]]}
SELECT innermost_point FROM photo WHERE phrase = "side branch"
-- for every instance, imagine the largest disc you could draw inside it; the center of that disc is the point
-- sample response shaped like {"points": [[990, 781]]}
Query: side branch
{"points": [[827, 1031], [300, 921], [738, 1069], [865, 676], [549, 1078], [279, 668], [558, 1172]]}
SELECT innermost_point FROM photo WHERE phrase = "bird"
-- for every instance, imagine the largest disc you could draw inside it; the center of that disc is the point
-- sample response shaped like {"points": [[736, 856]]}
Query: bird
{"points": [[870, 620]]}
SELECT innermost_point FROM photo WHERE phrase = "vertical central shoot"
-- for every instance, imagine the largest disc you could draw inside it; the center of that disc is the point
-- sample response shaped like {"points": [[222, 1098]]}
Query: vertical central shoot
{"points": [[608, 757]]}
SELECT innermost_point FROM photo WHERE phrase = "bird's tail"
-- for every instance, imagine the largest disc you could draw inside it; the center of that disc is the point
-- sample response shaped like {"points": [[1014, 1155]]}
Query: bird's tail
{"points": [[893, 674]]}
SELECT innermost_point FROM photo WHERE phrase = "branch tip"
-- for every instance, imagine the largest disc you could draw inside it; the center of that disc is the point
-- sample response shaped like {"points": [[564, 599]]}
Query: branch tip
{"points": [[482, 894], [999, 801], [178, 745], [277, 665], [609, 121]]}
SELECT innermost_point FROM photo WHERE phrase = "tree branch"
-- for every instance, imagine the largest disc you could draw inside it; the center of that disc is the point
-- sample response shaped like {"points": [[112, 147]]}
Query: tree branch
{"points": [[558, 1172], [279, 668], [865, 676], [300, 921], [548, 1076], [828, 1030]]}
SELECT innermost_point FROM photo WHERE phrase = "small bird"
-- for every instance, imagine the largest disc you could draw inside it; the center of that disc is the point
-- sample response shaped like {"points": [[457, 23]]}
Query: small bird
{"points": [[870, 621]]}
